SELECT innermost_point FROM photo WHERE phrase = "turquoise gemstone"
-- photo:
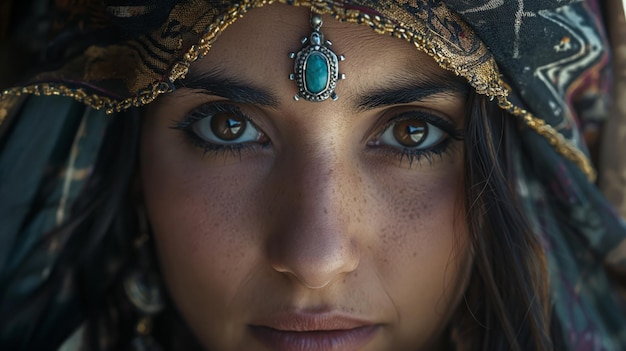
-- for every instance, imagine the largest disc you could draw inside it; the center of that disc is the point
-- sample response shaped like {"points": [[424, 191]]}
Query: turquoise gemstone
{"points": [[316, 73]]}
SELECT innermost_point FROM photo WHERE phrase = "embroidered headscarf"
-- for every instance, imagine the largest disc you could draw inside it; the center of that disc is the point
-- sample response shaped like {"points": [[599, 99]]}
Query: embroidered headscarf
{"points": [[544, 62]]}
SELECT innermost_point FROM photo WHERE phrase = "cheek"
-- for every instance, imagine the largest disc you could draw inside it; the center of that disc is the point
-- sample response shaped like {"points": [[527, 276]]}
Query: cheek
{"points": [[419, 213], [423, 251], [188, 213], [198, 217]]}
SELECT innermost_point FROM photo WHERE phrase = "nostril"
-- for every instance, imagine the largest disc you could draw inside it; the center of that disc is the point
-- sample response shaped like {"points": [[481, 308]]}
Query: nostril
{"points": [[319, 284], [317, 265]]}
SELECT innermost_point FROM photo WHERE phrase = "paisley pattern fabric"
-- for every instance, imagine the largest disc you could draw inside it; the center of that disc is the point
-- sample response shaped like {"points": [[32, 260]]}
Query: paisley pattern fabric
{"points": [[546, 62]]}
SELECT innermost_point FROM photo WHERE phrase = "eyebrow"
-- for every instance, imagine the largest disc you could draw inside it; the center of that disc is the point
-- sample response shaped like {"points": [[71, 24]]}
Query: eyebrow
{"points": [[402, 90], [217, 83], [405, 90]]}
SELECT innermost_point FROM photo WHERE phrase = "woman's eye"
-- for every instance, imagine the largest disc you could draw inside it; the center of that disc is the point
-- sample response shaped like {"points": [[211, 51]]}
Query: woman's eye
{"points": [[222, 128], [412, 133], [225, 128]]}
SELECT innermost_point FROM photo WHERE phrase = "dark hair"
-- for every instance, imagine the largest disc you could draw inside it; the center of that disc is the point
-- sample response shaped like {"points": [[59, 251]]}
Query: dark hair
{"points": [[506, 306]]}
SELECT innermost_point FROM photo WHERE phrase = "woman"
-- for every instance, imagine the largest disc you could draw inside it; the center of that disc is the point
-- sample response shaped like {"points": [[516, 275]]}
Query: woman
{"points": [[380, 192]]}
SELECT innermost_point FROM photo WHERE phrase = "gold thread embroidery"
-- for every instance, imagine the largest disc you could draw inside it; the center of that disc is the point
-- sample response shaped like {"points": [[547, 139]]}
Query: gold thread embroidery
{"points": [[93, 100], [485, 78], [556, 139]]}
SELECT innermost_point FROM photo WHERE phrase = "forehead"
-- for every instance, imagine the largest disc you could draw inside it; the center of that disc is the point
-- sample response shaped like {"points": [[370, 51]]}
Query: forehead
{"points": [[256, 48]]}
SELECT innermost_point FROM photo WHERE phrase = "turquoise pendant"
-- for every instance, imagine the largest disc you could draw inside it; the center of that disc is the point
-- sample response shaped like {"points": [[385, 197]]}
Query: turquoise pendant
{"points": [[316, 66]]}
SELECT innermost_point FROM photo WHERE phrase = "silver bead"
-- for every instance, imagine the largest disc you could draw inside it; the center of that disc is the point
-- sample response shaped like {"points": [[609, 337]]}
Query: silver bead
{"points": [[316, 21]]}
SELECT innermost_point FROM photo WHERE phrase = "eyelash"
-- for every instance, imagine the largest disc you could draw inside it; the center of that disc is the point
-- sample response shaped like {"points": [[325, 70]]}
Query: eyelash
{"points": [[212, 149], [237, 149], [416, 155]]}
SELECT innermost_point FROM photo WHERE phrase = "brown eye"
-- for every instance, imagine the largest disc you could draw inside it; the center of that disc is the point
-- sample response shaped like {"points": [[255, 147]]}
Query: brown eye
{"points": [[410, 133], [227, 126], [414, 133]]}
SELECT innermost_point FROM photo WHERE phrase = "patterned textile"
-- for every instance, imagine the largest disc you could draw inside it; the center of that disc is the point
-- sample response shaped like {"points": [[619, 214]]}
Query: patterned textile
{"points": [[133, 72], [546, 62]]}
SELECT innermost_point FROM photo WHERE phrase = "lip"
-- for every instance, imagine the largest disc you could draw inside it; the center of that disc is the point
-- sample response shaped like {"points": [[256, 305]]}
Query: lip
{"points": [[314, 332]]}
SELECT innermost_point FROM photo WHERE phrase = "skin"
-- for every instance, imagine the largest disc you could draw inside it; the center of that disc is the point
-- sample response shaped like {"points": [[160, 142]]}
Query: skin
{"points": [[322, 218]]}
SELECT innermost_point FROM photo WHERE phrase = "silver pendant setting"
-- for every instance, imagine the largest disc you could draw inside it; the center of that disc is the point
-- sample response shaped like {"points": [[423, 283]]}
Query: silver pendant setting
{"points": [[316, 66]]}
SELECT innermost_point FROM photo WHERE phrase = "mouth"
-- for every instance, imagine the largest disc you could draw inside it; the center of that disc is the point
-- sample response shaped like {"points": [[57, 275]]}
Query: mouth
{"points": [[310, 332]]}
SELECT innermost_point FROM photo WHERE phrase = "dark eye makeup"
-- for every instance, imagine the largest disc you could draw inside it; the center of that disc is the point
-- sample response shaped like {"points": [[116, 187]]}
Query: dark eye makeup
{"points": [[414, 134], [410, 133], [221, 128]]}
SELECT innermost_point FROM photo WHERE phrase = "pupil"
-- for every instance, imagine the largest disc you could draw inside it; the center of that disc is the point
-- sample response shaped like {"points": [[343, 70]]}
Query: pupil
{"points": [[410, 133], [227, 126]]}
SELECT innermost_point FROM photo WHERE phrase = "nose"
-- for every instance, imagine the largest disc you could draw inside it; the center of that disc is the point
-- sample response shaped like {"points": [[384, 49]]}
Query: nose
{"points": [[314, 241]]}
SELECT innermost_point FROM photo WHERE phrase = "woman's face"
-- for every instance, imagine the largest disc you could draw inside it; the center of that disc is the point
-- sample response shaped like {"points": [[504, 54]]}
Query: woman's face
{"points": [[297, 225]]}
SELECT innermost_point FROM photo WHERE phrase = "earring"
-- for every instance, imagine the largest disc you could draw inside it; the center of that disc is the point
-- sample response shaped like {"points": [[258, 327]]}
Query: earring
{"points": [[143, 289]]}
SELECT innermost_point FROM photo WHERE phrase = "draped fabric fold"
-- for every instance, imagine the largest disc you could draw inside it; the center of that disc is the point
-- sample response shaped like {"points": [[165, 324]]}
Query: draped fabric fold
{"points": [[44, 165]]}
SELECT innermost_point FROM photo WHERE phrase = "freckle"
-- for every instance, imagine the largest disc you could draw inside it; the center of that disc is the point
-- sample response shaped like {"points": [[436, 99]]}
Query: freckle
{"points": [[386, 260], [414, 254], [325, 210]]}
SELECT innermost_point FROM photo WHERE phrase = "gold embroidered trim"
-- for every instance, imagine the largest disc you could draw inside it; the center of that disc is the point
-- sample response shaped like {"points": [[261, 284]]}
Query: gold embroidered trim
{"points": [[486, 81], [93, 100], [556, 139], [181, 68]]}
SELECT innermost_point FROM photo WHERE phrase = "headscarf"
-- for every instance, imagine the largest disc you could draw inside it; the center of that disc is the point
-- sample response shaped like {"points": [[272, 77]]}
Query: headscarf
{"points": [[544, 62]]}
